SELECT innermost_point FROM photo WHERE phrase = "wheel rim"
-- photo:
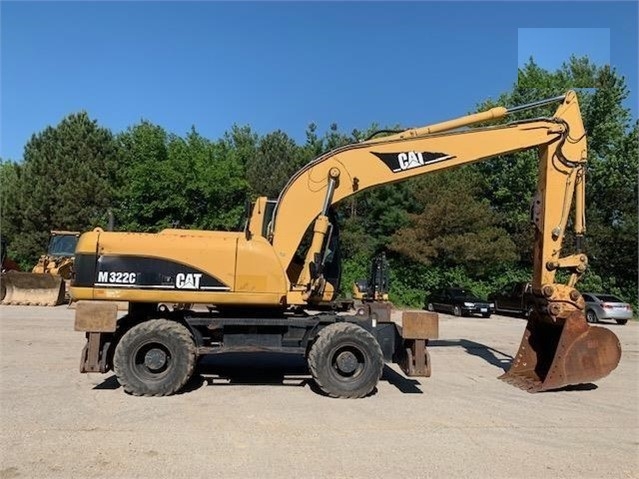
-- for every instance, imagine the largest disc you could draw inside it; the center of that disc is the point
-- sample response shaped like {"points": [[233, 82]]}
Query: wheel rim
{"points": [[591, 317], [457, 311], [430, 307], [151, 361], [348, 362]]}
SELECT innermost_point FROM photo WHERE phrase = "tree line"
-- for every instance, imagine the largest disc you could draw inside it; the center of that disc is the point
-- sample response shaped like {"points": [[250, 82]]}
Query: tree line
{"points": [[467, 226]]}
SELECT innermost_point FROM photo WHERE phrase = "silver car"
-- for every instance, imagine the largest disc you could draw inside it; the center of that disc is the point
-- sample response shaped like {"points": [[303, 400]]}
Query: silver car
{"points": [[606, 306]]}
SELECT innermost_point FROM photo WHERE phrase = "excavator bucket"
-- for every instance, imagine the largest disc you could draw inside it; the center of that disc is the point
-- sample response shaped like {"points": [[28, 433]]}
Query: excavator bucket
{"points": [[553, 355], [33, 289]]}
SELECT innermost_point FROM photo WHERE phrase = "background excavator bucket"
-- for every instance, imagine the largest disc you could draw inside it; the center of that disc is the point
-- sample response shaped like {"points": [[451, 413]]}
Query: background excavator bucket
{"points": [[32, 289], [555, 355]]}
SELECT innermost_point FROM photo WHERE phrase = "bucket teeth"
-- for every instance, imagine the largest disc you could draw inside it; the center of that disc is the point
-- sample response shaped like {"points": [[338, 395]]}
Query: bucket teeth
{"points": [[524, 383]]}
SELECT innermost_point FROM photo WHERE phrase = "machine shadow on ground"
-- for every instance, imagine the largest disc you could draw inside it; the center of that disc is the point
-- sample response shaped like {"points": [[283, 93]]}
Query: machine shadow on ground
{"points": [[500, 359], [291, 370], [488, 354]]}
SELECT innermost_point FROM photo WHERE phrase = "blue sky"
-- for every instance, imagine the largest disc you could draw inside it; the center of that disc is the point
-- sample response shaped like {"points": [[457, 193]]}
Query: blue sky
{"points": [[551, 46], [284, 65]]}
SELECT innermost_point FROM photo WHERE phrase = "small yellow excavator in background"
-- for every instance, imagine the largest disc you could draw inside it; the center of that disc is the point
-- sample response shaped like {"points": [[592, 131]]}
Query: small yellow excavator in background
{"points": [[48, 282], [262, 295]]}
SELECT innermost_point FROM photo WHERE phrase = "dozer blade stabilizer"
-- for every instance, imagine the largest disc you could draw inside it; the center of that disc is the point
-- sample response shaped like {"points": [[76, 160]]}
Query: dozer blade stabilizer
{"points": [[33, 289], [553, 355]]}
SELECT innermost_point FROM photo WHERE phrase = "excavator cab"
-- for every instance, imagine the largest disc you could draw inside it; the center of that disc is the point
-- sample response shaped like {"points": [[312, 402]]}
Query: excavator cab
{"points": [[260, 215]]}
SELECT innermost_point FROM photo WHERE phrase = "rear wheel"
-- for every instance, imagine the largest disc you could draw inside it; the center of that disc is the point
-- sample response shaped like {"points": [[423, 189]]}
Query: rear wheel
{"points": [[591, 317], [346, 361], [621, 321], [155, 358]]}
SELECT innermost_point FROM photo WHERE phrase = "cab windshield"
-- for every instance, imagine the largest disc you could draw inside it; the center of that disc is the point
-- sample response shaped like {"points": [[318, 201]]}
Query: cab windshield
{"points": [[63, 245]]}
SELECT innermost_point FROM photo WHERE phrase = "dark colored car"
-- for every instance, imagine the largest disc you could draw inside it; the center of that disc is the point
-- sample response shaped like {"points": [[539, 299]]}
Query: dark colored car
{"points": [[458, 301], [514, 298], [606, 306]]}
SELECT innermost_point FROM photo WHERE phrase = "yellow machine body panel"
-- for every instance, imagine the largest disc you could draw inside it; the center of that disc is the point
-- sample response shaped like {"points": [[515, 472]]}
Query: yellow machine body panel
{"points": [[182, 266]]}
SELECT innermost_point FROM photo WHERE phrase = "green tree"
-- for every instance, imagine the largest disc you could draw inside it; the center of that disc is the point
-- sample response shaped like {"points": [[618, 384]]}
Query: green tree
{"points": [[64, 182], [611, 191], [434, 250], [456, 226], [216, 187], [277, 158], [146, 179], [188, 182], [242, 142], [9, 203], [612, 224]]}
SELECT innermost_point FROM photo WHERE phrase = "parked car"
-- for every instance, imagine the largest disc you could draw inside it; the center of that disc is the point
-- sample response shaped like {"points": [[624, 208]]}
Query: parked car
{"points": [[606, 306], [457, 301], [514, 298]]}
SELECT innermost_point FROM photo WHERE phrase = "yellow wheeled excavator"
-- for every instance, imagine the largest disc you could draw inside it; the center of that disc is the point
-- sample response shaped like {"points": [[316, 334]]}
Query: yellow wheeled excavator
{"points": [[265, 295]]}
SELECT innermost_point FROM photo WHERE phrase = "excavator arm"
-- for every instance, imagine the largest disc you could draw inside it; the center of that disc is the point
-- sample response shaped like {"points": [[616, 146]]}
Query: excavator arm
{"points": [[561, 142], [559, 347]]}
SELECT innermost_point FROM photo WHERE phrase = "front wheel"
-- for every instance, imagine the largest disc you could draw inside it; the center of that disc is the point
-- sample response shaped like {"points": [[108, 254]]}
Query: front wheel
{"points": [[346, 361], [457, 311], [155, 358], [430, 307], [591, 317]]}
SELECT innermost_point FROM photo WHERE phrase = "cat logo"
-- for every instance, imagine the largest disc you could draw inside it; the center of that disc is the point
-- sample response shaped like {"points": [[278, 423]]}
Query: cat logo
{"points": [[188, 280], [407, 160]]}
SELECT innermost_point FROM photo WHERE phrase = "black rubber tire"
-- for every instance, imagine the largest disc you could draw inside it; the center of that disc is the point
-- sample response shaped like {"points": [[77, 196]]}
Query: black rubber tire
{"points": [[430, 307], [176, 344], [346, 338], [591, 317], [457, 311], [621, 321]]}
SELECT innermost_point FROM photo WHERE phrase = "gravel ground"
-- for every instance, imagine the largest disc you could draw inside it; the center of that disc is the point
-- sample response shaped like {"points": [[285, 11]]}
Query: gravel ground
{"points": [[260, 416]]}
